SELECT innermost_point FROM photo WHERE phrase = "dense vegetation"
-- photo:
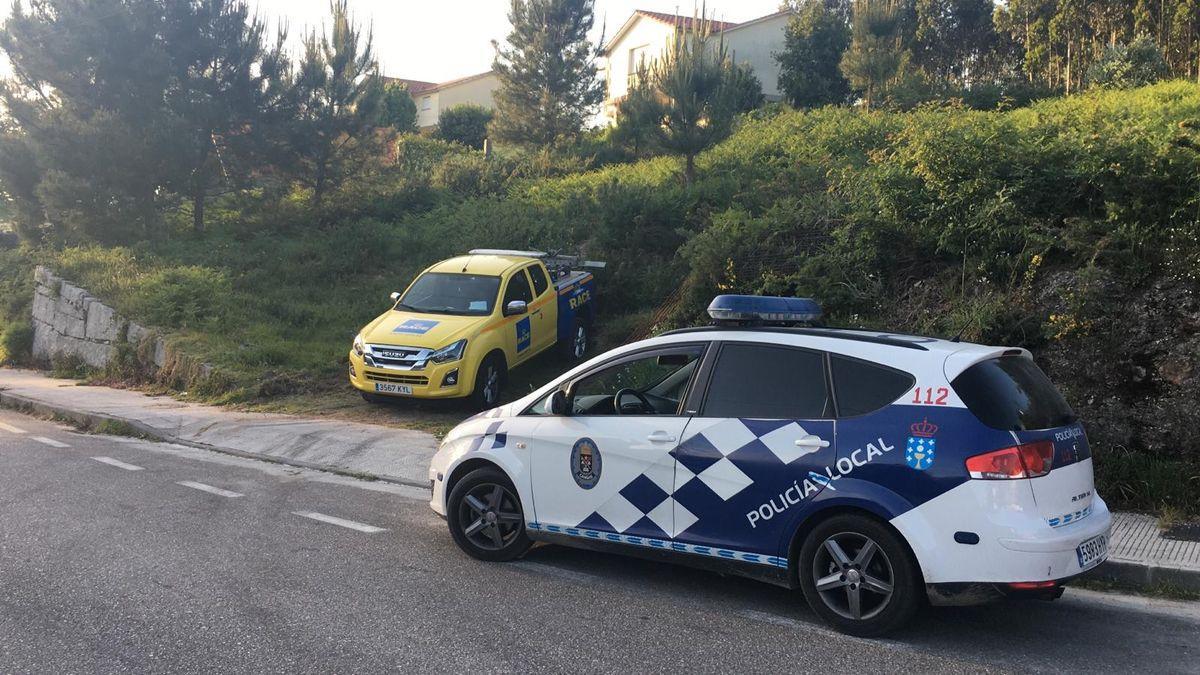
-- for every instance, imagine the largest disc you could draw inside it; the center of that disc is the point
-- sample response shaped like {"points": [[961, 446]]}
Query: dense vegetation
{"points": [[1069, 227]]}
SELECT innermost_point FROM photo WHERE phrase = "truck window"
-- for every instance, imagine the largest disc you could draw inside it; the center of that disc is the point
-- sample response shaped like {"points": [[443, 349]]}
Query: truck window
{"points": [[540, 282], [864, 387], [445, 293], [518, 289], [1013, 394], [767, 382]]}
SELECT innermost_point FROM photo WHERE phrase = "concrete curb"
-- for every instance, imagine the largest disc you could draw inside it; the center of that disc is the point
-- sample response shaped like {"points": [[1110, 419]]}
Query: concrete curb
{"points": [[24, 404], [1145, 575]]}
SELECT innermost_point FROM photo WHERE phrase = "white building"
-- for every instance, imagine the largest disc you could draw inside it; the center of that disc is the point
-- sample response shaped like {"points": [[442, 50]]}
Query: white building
{"points": [[432, 98], [645, 37]]}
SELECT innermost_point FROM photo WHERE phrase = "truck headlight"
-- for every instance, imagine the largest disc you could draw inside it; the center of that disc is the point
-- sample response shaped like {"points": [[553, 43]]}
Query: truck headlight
{"points": [[359, 345], [449, 353]]}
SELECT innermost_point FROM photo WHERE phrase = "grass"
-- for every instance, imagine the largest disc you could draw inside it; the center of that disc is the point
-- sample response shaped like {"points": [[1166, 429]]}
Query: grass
{"points": [[1159, 590]]}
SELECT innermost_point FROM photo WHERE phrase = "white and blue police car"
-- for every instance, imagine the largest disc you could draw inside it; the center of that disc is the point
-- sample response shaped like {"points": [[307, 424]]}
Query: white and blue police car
{"points": [[869, 470]]}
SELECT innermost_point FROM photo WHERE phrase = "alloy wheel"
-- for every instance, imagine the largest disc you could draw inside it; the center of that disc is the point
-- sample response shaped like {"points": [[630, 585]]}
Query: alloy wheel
{"points": [[490, 516], [491, 384], [580, 346], [853, 576]]}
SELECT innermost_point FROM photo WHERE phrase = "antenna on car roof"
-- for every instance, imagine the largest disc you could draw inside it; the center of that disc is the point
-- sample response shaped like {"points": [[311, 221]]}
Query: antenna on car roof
{"points": [[958, 336]]}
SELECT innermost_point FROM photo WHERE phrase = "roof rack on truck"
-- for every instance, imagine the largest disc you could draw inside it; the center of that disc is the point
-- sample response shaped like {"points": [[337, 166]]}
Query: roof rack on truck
{"points": [[558, 265]]}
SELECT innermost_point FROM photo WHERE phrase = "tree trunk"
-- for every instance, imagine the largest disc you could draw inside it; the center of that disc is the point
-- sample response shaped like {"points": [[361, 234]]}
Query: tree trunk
{"points": [[689, 170], [198, 212]]}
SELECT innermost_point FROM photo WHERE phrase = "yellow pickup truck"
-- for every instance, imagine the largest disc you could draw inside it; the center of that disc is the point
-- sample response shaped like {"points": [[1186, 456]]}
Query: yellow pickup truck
{"points": [[463, 323]]}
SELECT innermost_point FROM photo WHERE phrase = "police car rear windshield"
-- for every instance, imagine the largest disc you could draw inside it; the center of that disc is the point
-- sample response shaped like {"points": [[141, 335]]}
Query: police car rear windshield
{"points": [[446, 293], [1013, 394]]}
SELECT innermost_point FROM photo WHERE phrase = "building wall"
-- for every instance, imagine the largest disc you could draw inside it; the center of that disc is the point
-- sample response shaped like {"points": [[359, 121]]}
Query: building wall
{"points": [[475, 91], [753, 44], [646, 33], [756, 45]]}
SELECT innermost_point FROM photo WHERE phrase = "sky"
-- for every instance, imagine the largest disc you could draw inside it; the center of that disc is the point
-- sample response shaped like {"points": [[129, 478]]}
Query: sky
{"points": [[447, 39]]}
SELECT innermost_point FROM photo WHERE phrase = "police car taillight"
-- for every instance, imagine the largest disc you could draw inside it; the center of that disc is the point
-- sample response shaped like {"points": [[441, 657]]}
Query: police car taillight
{"points": [[1028, 460], [764, 309]]}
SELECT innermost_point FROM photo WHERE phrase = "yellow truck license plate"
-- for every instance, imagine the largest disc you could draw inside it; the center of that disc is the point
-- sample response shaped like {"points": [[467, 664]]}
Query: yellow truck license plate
{"points": [[385, 388]]}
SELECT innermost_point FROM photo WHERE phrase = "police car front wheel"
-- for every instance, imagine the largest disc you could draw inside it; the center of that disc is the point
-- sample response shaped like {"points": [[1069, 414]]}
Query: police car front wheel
{"points": [[857, 575], [485, 517]]}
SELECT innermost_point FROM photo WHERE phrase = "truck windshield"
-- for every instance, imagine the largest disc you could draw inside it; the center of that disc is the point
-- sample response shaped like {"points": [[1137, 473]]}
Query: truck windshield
{"points": [[443, 293]]}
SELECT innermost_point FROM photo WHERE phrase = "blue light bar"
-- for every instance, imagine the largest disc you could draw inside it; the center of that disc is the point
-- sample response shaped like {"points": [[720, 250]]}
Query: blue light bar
{"points": [[764, 308]]}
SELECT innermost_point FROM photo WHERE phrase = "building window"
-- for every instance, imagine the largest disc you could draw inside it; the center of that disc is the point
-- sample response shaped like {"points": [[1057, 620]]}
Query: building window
{"points": [[637, 59], [426, 102]]}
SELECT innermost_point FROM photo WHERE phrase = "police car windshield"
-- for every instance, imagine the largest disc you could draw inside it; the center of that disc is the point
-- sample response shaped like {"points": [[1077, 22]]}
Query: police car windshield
{"points": [[446, 293], [1013, 394]]}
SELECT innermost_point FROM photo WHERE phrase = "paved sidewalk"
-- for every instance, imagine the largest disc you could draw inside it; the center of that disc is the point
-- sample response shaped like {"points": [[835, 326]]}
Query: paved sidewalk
{"points": [[1140, 555], [396, 455]]}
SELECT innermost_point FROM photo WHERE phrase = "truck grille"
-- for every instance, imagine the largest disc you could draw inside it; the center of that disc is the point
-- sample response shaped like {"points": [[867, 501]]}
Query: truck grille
{"points": [[396, 358], [376, 376]]}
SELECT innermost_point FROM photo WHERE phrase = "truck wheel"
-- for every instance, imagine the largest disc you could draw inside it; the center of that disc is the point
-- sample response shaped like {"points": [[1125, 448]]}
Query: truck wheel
{"points": [[488, 383], [858, 575], [576, 344], [485, 517], [372, 398]]}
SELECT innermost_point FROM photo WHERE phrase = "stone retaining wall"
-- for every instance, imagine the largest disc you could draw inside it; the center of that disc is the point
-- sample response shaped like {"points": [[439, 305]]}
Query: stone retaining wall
{"points": [[68, 322]]}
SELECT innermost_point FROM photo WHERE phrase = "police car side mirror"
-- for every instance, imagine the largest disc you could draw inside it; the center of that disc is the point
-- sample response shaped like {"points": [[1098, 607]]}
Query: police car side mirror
{"points": [[395, 296], [557, 403], [515, 307]]}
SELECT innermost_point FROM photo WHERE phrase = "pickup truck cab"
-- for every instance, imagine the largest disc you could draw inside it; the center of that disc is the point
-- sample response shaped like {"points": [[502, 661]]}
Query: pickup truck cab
{"points": [[464, 322]]}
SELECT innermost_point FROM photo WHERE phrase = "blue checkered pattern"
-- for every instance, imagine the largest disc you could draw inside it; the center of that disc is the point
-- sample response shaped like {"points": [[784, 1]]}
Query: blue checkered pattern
{"points": [[710, 551], [697, 478]]}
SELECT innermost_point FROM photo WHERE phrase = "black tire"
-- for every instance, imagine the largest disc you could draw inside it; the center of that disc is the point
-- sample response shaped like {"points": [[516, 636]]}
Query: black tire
{"points": [[489, 382], [577, 342], [498, 537], [876, 612]]}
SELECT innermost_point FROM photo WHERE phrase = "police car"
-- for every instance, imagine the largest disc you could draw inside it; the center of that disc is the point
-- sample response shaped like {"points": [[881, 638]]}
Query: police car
{"points": [[869, 470]]}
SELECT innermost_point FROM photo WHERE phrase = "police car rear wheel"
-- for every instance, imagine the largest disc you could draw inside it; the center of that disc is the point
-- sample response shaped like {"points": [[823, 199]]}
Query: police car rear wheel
{"points": [[857, 575], [486, 520]]}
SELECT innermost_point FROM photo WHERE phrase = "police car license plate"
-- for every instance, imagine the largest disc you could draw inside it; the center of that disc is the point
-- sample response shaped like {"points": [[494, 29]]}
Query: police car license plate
{"points": [[386, 388], [1092, 552]]}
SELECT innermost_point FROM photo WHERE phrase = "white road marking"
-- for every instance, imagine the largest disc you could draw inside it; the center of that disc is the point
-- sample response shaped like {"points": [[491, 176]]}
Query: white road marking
{"points": [[118, 463], [210, 489], [49, 441], [340, 522], [11, 429], [556, 572]]}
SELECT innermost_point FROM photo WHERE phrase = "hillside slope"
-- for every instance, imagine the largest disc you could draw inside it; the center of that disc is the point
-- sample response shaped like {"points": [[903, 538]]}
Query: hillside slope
{"points": [[1069, 227]]}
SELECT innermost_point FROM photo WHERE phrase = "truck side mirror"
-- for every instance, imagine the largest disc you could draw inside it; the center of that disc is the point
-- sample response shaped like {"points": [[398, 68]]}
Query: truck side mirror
{"points": [[557, 404], [395, 296], [516, 307]]}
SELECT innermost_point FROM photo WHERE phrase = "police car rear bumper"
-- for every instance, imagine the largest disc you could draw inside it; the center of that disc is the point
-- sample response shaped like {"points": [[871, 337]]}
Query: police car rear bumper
{"points": [[1014, 542]]}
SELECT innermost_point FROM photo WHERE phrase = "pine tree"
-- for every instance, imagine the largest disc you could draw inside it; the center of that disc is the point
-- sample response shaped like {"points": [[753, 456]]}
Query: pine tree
{"points": [[686, 102], [815, 40], [876, 53], [335, 97], [547, 72], [120, 105], [225, 84]]}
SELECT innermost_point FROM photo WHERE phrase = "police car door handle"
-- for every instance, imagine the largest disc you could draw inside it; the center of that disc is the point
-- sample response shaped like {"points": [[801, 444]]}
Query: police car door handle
{"points": [[660, 437], [811, 441]]}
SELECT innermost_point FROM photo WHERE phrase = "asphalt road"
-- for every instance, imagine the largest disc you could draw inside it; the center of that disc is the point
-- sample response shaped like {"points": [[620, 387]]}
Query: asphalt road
{"points": [[108, 563]]}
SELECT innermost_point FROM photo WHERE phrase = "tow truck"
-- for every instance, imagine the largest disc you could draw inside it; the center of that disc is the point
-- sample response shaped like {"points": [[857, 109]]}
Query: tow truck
{"points": [[463, 323]]}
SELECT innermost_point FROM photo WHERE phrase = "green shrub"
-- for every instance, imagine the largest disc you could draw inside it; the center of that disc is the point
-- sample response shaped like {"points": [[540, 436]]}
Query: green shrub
{"points": [[16, 343]]}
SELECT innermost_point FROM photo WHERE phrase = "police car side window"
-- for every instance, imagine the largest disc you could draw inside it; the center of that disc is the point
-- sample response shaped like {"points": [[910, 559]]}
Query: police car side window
{"points": [[862, 387], [518, 289], [540, 283], [768, 382]]}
